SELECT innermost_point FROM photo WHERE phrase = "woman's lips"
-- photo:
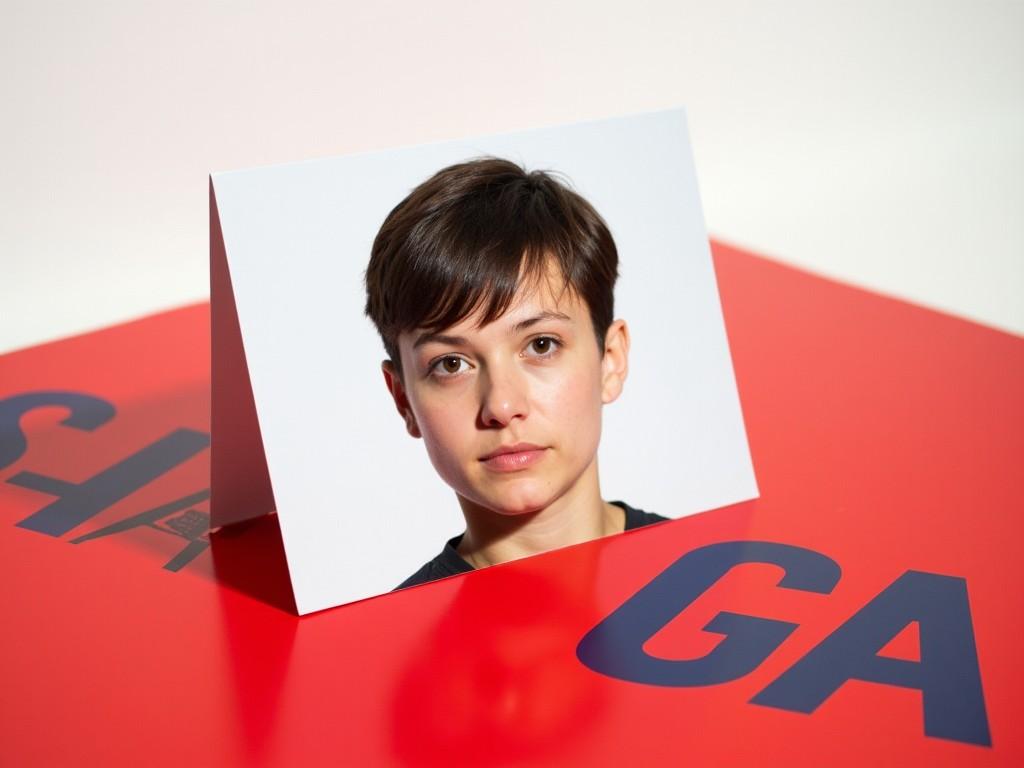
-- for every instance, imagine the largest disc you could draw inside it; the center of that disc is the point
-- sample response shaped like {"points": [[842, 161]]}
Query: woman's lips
{"points": [[512, 462]]}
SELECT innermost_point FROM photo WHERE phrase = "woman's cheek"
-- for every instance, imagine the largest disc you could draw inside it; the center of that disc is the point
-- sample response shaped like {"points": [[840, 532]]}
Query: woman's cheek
{"points": [[574, 405], [447, 443]]}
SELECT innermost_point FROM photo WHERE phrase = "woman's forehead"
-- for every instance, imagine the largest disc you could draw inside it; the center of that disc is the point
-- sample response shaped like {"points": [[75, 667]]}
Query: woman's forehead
{"points": [[534, 302], [533, 297]]}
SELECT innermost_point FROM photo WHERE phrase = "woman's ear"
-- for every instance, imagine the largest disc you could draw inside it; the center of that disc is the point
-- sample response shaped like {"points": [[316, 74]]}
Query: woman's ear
{"points": [[615, 363], [397, 389]]}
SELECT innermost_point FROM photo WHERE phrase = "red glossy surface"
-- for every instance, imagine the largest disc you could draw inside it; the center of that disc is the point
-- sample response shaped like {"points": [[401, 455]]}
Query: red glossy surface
{"points": [[885, 436]]}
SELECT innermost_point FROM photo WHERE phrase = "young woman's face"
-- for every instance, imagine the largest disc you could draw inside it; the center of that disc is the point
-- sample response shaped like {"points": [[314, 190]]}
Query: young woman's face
{"points": [[533, 376]]}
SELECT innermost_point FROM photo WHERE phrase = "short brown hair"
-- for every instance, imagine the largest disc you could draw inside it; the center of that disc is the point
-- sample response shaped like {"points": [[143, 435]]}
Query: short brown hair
{"points": [[463, 238]]}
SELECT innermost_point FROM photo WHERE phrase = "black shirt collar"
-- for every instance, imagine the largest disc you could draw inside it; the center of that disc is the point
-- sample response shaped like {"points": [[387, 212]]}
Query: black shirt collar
{"points": [[451, 562]]}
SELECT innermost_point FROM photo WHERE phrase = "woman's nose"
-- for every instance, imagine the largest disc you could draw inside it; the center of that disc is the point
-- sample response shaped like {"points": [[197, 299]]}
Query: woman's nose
{"points": [[503, 398]]}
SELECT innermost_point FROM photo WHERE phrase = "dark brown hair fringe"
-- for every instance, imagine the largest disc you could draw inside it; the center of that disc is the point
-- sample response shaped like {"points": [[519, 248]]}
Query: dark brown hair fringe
{"points": [[467, 236]]}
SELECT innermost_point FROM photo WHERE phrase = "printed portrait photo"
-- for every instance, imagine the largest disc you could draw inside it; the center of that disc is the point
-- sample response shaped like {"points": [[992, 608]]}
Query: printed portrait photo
{"points": [[464, 354]]}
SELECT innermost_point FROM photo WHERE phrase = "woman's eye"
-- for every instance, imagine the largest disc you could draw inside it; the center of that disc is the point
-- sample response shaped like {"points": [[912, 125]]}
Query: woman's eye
{"points": [[446, 367], [545, 346]]}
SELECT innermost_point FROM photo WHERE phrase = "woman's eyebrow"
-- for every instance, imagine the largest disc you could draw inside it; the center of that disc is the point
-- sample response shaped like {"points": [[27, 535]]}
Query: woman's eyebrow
{"points": [[440, 338], [522, 325], [546, 315]]}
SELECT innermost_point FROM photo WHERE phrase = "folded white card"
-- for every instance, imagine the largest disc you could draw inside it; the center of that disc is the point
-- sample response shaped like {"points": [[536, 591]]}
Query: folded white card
{"points": [[302, 421]]}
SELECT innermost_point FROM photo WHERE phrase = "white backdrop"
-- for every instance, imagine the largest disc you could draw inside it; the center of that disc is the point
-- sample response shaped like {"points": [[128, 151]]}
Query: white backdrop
{"points": [[359, 504], [874, 141]]}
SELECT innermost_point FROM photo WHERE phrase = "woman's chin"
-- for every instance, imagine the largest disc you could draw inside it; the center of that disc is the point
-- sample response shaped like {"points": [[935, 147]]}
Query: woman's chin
{"points": [[516, 505]]}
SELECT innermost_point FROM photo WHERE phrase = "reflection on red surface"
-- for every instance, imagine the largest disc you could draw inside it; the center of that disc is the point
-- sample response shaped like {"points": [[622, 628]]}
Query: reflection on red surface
{"points": [[884, 436], [249, 561], [515, 687]]}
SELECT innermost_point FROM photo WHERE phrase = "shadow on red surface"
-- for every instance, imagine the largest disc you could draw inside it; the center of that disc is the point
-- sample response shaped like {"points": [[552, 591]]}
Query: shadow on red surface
{"points": [[249, 557]]}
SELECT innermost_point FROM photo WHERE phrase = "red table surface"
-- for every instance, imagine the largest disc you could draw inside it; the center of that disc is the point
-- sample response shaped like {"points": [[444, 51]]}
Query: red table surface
{"points": [[884, 436]]}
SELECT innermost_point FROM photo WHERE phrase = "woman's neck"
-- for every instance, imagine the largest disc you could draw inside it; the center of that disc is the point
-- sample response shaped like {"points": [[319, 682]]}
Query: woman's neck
{"points": [[492, 538]]}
